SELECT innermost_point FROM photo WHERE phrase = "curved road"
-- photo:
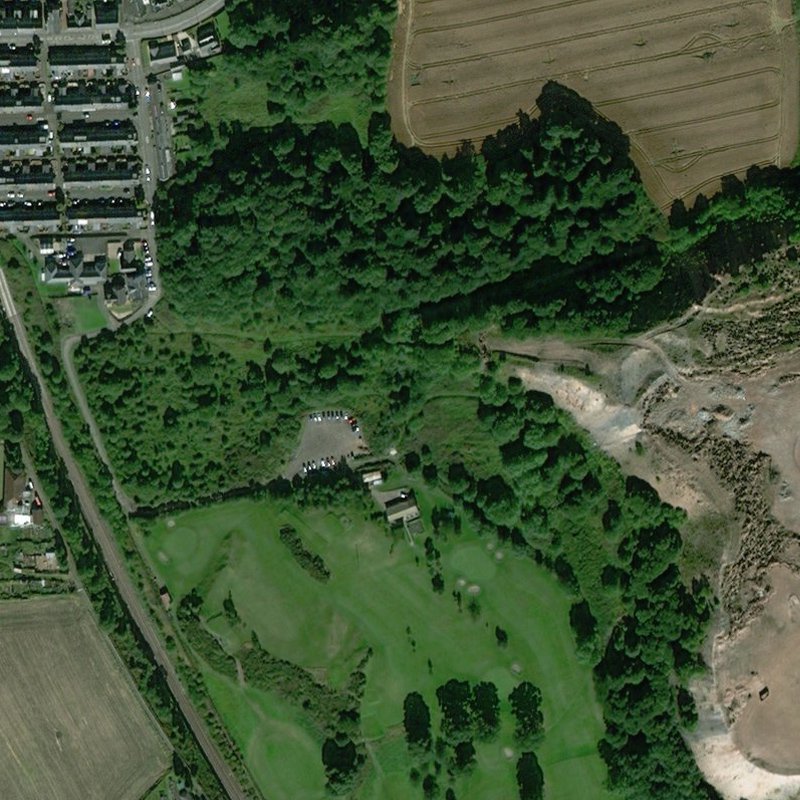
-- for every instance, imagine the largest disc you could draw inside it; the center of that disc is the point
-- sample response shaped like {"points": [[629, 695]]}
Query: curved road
{"points": [[179, 22], [116, 566]]}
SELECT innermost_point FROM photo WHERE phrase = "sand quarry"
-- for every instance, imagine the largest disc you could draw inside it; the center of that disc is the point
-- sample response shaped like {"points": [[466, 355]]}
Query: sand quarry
{"points": [[715, 409], [703, 90]]}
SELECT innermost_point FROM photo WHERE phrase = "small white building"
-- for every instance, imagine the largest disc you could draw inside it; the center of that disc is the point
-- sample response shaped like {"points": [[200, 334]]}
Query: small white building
{"points": [[373, 478]]}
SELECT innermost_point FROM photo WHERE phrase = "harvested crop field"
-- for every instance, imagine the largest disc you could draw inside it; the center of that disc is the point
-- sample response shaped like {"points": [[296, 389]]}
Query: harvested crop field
{"points": [[73, 725], [702, 90]]}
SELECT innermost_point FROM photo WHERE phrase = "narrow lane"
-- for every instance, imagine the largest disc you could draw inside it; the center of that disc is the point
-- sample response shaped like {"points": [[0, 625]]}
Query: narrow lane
{"points": [[116, 566]]}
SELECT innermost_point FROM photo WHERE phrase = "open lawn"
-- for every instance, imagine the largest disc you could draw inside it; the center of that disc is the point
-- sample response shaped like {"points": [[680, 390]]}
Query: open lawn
{"points": [[702, 89], [380, 596], [81, 314], [73, 726]]}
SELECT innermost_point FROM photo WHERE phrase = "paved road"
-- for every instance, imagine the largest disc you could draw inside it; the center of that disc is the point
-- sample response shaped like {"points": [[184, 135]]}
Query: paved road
{"points": [[179, 22], [116, 566]]}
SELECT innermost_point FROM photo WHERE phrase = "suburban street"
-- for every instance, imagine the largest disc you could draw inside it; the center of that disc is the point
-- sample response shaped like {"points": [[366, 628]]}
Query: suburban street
{"points": [[177, 21]]}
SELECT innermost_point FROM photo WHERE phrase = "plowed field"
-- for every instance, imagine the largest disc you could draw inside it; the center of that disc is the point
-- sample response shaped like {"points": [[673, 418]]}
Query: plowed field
{"points": [[73, 726], [703, 90]]}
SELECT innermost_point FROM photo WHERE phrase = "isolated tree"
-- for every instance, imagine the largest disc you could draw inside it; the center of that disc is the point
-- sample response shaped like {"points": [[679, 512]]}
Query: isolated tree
{"points": [[530, 779], [486, 708], [417, 721], [526, 702]]}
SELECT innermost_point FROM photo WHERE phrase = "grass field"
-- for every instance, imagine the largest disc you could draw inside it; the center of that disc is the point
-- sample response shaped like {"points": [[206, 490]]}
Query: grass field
{"points": [[380, 596], [703, 90], [73, 726], [236, 91], [81, 314]]}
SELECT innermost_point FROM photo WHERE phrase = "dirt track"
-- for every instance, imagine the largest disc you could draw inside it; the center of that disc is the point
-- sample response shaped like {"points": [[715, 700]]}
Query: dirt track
{"points": [[702, 91]]}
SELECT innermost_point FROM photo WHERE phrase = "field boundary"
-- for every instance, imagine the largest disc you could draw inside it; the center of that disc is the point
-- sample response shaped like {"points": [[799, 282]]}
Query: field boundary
{"points": [[738, 68]]}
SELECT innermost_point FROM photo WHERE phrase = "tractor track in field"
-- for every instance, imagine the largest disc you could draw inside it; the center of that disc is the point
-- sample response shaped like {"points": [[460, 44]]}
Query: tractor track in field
{"points": [[728, 76]]}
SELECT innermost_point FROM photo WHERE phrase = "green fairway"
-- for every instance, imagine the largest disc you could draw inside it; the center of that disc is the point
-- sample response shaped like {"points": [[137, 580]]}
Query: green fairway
{"points": [[380, 596]]}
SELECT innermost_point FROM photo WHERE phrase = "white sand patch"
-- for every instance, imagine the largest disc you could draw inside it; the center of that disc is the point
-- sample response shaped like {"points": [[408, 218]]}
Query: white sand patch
{"points": [[723, 764], [613, 427]]}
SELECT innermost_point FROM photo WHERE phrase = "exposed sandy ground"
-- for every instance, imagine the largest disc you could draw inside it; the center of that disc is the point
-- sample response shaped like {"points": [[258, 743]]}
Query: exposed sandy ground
{"points": [[721, 760], [702, 90], [714, 400], [614, 429], [758, 676]]}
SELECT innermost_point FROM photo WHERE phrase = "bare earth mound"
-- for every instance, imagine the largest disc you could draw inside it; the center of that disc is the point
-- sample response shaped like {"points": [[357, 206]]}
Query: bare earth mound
{"points": [[707, 409], [702, 90], [759, 678], [73, 726]]}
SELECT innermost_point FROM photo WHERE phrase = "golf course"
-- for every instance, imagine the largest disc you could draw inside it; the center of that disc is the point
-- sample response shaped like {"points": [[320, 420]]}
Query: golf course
{"points": [[379, 598]]}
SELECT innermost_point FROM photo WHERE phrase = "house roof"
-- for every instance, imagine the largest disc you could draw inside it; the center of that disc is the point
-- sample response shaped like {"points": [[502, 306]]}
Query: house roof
{"points": [[401, 507], [165, 49]]}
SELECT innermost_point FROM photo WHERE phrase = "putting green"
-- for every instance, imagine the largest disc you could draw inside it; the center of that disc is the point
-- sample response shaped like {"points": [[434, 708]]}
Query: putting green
{"points": [[379, 596]]}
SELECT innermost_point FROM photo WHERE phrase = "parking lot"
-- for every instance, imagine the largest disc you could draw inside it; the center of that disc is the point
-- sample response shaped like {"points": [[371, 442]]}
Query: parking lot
{"points": [[327, 438]]}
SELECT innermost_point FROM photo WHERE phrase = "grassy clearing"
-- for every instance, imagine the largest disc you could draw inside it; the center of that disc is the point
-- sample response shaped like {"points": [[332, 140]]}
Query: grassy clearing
{"points": [[81, 314], [380, 596], [236, 91], [280, 753], [223, 21]]}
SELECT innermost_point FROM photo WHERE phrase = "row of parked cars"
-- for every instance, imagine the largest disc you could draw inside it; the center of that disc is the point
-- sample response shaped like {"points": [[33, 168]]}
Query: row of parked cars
{"points": [[148, 266], [333, 416], [324, 463], [327, 416]]}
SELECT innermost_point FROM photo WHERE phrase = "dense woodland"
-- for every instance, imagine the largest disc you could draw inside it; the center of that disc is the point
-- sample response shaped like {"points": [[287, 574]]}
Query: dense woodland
{"points": [[337, 265], [306, 265], [346, 42]]}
